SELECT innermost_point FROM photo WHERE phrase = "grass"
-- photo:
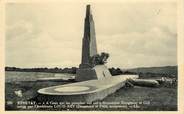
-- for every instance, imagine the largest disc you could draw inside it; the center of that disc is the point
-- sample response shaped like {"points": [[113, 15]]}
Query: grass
{"points": [[149, 99]]}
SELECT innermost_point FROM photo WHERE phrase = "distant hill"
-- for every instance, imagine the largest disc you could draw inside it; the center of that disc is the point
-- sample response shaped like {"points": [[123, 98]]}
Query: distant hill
{"points": [[168, 71], [160, 70]]}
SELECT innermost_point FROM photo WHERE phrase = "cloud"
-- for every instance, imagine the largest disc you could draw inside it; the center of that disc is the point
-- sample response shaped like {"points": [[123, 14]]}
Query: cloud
{"points": [[49, 35], [151, 48]]}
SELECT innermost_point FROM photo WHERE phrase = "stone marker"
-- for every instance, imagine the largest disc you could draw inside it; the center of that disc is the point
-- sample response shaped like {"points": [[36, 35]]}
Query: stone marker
{"points": [[88, 69], [95, 79]]}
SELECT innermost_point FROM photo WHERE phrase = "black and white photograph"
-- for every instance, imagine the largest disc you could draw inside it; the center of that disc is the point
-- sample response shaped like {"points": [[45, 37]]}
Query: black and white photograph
{"points": [[91, 56]]}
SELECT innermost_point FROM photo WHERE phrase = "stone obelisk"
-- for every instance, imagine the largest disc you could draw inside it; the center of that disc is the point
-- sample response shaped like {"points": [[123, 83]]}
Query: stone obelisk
{"points": [[89, 47], [88, 69], [97, 80]]}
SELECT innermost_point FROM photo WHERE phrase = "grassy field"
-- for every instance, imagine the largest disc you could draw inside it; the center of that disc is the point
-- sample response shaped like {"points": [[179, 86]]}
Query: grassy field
{"points": [[157, 99]]}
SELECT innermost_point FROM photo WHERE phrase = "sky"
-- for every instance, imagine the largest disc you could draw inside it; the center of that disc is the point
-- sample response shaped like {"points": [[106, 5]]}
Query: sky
{"points": [[139, 34]]}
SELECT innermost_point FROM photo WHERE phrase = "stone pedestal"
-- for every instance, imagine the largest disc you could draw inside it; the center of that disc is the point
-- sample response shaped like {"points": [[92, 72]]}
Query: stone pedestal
{"points": [[97, 72]]}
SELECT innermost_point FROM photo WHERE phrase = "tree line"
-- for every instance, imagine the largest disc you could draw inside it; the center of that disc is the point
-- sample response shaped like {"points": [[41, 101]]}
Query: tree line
{"points": [[72, 70]]}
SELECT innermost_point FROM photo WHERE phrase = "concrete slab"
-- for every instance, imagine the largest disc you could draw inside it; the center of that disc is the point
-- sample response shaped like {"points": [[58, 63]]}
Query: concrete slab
{"points": [[86, 91]]}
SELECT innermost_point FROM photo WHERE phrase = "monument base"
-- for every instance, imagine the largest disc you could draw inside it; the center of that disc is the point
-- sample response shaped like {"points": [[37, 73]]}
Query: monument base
{"points": [[97, 72], [86, 91]]}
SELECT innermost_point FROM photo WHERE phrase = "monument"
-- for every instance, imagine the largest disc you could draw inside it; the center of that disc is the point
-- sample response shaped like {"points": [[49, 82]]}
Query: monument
{"points": [[94, 79], [92, 64]]}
